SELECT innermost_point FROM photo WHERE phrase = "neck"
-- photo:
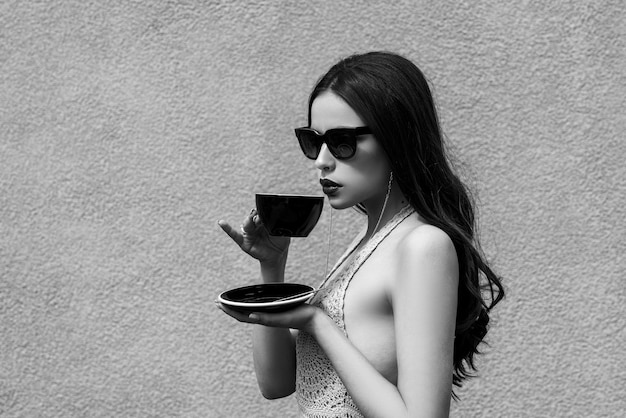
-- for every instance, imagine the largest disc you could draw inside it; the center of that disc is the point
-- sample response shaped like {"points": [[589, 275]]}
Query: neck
{"points": [[378, 214]]}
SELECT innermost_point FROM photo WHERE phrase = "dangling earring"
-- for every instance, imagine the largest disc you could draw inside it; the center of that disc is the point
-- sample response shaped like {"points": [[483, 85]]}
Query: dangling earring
{"points": [[389, 185], [382, 211]]}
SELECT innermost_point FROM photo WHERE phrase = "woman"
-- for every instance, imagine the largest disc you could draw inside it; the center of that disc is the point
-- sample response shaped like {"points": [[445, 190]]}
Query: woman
{"points": [[398, 320]]}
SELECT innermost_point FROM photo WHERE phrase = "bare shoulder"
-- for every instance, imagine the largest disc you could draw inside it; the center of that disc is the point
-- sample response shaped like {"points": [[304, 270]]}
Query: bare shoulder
{"points": [[426, 251], [427, 240]]}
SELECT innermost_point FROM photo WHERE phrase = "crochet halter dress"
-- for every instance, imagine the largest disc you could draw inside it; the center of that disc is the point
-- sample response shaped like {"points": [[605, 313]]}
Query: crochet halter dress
{"points": [[319, 390]]}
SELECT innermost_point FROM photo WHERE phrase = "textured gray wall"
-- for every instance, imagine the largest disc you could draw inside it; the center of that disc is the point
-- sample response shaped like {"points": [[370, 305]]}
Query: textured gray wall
{"points": [[127, 129]]}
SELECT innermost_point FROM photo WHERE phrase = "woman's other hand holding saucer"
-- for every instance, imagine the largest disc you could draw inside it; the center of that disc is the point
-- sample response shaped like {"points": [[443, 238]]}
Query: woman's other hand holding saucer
{"points": [[301, 317]]}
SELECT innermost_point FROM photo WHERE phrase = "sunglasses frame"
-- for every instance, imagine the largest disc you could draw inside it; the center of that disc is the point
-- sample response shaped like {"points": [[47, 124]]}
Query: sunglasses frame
{"points": [[327, 138]]}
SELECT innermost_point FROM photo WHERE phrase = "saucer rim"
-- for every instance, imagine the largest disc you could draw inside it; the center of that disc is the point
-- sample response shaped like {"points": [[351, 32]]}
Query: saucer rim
{"points": [[274, 304]]}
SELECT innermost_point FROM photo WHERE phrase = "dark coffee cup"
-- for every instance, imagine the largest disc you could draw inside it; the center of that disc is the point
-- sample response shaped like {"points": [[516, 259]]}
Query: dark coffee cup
{"points": [[289, 215]]}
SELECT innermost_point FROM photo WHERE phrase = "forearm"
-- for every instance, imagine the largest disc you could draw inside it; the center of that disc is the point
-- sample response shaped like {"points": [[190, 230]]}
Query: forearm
{"points": [[274, 361], [273, 348]]}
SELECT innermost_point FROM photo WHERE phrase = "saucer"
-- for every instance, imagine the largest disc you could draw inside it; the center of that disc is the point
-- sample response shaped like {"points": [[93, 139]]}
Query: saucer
{"points": [[264, 297]]}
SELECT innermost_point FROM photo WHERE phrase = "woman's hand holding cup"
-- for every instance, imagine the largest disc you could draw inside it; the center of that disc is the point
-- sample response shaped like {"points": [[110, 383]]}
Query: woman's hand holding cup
{"points": [[253, 239]]}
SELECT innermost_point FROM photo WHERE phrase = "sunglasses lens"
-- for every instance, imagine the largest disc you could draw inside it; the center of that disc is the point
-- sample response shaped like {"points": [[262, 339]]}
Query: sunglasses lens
{"points": [[342, 144], [309, 142], [344, 151]]}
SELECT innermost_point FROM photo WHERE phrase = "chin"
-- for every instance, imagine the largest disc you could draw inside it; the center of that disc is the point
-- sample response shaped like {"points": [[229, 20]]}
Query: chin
{"points": [[338, 203]]}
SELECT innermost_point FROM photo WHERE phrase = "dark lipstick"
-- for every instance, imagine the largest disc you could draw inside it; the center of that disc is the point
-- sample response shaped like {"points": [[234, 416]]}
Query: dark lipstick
{"points": [[329, 187]]}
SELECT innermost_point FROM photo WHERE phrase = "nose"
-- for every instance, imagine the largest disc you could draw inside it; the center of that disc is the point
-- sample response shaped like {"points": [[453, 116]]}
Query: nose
{"points": [[325, 160]]}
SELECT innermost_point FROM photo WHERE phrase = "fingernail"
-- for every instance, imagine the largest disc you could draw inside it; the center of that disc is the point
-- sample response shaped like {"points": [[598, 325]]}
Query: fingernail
{"points": [[253, 317]]}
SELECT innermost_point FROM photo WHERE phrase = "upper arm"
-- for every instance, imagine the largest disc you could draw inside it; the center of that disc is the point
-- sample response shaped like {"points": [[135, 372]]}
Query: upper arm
{"points": [[424, 298]]}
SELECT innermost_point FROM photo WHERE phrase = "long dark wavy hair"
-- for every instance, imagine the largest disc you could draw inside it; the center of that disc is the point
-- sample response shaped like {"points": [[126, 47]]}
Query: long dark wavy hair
{"points": [[392, 96]]}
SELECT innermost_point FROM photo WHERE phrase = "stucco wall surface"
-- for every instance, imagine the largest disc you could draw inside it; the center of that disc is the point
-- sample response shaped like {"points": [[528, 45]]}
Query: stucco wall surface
{"points": [[128, 128]]}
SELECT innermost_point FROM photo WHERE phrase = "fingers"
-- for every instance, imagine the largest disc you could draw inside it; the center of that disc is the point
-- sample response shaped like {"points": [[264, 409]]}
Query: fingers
{"points": [[247, 225], [300, 317], [251, 223], [250, 318], [231, 232], [256, 219]]}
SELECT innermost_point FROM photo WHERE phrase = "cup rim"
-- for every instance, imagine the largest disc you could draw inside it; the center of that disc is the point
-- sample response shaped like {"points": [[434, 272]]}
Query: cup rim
{"points": [[307, 196]]}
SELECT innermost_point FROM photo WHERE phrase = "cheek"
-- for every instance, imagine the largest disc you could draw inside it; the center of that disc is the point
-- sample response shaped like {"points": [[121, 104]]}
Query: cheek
{"points": [[373, 165], [370, 176]]}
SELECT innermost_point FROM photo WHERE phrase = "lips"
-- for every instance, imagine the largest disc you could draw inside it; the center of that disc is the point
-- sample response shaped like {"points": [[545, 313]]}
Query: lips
{"points": [[329, 187]]}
